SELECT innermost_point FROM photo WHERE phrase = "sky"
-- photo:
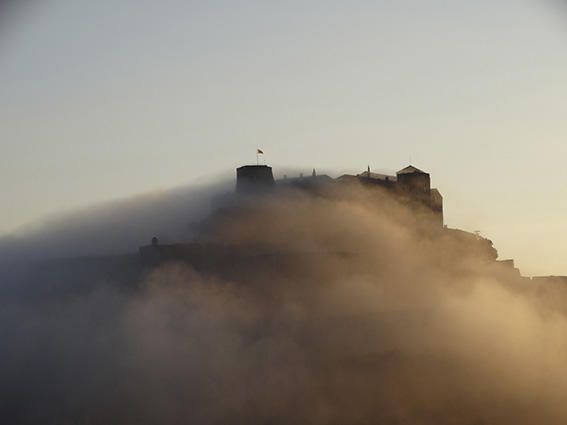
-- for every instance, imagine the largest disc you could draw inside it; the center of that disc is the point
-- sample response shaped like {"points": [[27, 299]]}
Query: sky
{"points": [[102, 100]]}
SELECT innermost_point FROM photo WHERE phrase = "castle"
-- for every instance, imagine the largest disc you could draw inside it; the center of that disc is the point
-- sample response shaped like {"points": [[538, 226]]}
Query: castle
{"points": [[410, 185]]}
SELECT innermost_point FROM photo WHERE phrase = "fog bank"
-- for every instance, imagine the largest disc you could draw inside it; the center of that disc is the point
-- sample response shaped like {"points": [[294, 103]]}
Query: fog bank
{"points": [[366, 317]]}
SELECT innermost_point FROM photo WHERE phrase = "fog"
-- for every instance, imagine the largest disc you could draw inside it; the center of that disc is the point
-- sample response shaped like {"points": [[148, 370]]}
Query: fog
{"points": [[115, 227], [364, 316]]}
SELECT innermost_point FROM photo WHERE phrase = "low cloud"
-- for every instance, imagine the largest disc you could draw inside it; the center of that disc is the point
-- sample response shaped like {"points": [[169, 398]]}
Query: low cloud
{"points": [[334, 309]]}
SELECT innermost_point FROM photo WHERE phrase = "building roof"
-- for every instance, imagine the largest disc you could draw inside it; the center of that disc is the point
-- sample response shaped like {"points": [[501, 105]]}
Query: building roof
{"points": [[436, 194], [255, 166], [410, 169], [320, 178], [377, 176]]}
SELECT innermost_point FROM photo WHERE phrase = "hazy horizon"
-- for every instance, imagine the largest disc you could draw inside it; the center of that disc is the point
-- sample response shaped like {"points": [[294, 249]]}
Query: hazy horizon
{"points": [[111, 99]]}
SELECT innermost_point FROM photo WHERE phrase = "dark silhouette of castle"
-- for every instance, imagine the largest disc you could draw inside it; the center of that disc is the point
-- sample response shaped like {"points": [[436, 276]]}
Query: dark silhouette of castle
{"points": [[410, 185]]}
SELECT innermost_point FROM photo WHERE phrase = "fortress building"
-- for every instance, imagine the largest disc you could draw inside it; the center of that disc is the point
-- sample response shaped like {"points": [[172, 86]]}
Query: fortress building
{"points": [[410, 185], [255, 184]]}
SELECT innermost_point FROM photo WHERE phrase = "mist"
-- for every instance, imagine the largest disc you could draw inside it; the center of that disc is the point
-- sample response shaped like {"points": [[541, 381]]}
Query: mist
{"points": [[115, 227], [353, 312]]}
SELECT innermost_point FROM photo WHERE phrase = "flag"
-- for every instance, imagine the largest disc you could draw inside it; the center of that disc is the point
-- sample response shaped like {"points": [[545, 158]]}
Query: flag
{"points": [[259, 152]]}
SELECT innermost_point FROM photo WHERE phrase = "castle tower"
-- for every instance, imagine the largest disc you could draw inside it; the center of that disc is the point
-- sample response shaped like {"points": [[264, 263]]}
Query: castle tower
{"points": [[254, 178], [415, 185], [415, 182]]}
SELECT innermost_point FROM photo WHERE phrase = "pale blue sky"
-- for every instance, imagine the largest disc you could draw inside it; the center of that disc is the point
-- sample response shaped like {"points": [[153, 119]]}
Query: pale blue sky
{"points": [[110, 98]]}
